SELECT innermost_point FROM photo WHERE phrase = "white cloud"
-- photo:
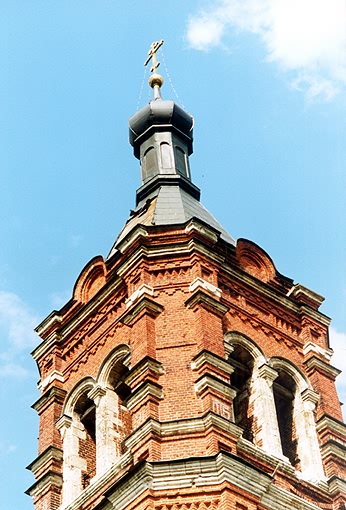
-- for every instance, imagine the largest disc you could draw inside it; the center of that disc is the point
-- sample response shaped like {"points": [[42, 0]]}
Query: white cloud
{"points": [[303, 37], [17, 335]]}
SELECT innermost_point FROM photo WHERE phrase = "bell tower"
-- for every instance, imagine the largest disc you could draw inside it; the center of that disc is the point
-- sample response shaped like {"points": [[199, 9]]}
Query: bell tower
{"points": [[186, 372]]}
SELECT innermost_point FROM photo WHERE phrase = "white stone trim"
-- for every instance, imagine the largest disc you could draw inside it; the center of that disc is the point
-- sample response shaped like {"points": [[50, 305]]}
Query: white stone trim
{"points": [[144, 289], [262, 399], [53, 376], [199, 283], [312, 347], [303, 415]]}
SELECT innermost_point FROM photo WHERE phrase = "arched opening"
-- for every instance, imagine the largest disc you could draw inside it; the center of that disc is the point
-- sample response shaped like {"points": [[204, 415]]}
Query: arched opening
{"points": [[181, 161], [149, 164], [284, 389], [242, 362], [84, 412], [166, 155], [295, 402], [121, 415], [113, 420]]}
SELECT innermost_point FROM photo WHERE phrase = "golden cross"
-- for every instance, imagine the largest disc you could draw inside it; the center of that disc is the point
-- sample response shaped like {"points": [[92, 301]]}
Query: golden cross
{"points": [[152, 55]]}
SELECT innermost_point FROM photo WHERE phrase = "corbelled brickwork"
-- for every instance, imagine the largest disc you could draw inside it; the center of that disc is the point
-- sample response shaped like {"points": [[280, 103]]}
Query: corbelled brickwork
{"points": [[186, 373]]}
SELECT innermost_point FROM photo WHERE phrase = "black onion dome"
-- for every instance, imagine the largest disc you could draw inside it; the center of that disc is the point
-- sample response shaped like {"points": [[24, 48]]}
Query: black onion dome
{"points": [[158, 114]]}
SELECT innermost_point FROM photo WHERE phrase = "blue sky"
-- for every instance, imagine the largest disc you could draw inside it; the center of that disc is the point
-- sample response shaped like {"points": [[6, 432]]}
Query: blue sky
{"points": [[265, 82]]}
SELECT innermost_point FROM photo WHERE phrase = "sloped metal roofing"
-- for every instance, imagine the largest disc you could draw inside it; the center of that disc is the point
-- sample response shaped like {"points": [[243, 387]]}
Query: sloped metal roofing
{"points": [[169, 205]]}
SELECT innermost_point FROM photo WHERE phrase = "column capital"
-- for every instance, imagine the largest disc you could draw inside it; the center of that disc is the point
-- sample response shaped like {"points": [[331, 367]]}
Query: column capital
{"points": [[96, 394], [267, 373], [309, 399]]}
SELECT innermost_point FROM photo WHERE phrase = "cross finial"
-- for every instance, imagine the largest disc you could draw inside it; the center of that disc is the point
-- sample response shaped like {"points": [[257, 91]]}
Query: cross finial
{"points": [[155, 80], [152, 55]]}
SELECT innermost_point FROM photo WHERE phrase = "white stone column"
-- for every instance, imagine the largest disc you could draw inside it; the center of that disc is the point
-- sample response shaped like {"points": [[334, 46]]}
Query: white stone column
{"points": [[71, 430], [262, 399], [307, 442], [106, 402]]}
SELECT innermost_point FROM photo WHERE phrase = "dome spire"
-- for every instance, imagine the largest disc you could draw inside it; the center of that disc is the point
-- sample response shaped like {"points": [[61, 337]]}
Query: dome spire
{"points": [[155, 80]]}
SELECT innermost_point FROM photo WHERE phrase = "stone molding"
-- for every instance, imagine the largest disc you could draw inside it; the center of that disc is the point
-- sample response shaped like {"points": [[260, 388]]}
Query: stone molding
{"points": [[329, 423], [206, 357], [211, 382], [50, 394], [337, 485], [53, 376], [182, 427], [334, 448], [315, 363], [49, 478], [268, 374], [199, 283], [51, 453], [194, 225], [200, 297], [199, 472], [147, 389], [312, 347], [96, 394], [305, 295], [147, 364], [144, 289], [143, 304]]}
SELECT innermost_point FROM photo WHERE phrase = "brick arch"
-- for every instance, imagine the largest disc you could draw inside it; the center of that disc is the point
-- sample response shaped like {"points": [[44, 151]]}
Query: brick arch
{"points": [[83, 387], [300, 379], [78, 428], [295, 402], [232, 338], [119, 353], [255, 261], [90, 280]]}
